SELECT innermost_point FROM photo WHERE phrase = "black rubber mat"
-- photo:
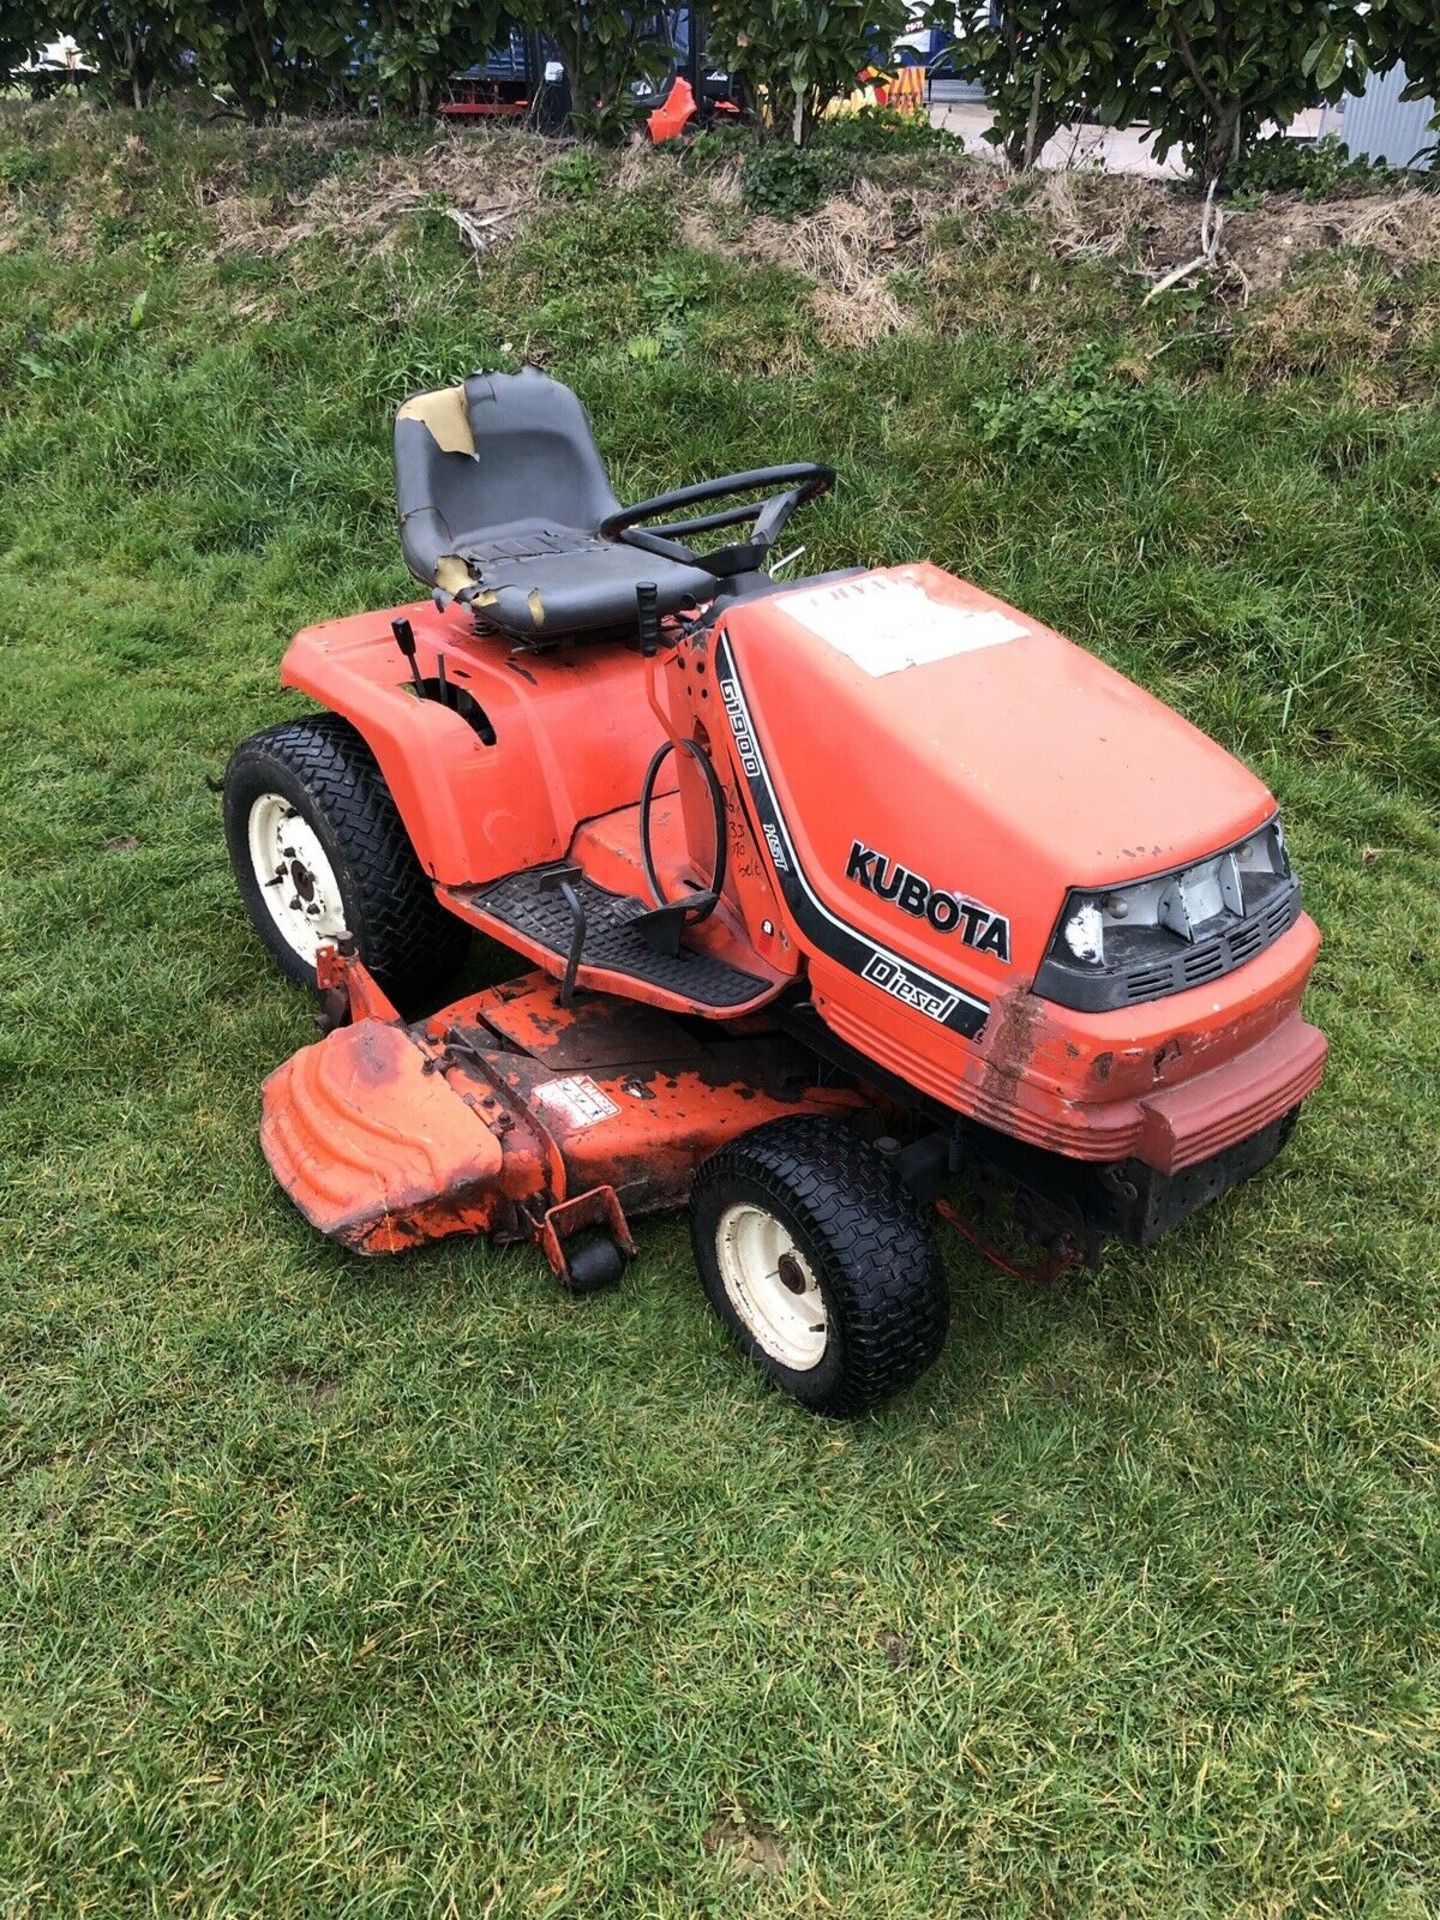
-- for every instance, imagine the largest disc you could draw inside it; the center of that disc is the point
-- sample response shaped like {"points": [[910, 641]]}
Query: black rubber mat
{"points": [[612, 939]]}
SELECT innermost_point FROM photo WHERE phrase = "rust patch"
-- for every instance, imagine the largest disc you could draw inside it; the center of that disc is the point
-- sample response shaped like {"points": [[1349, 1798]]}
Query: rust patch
{"points": [[375, 1057], [1165, 1055], [1104, 1062], [1016, 1024]]}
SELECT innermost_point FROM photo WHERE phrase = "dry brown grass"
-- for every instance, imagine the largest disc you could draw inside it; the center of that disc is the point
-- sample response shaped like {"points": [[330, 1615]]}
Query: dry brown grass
{"points": [[1154, 227], [488, 183], [849, 246], [485, 183]]}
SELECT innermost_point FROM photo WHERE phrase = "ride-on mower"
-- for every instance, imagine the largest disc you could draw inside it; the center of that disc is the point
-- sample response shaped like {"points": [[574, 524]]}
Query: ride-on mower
{"points": [[838, 897]]}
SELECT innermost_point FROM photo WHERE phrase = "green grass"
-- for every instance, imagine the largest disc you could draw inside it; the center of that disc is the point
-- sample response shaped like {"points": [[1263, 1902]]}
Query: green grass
{"points": [[353, 1589]]}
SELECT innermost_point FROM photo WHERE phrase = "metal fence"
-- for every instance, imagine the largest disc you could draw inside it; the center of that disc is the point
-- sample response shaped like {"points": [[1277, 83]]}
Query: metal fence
{"points": [[1382, 126]]}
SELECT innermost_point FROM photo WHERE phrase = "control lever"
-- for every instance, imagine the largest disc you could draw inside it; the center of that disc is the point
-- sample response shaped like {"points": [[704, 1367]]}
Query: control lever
{"points": [[405, 640], [565, 881]]}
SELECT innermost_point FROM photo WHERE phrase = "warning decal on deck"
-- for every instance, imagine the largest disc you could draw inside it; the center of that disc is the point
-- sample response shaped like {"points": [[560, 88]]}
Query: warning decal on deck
{"points": [[578, 1099], [885, 625]]}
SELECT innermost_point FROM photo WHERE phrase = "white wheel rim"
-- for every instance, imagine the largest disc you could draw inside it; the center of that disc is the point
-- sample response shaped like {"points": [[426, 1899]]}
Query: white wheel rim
{"points": [[294, 875], [770, 1285]]}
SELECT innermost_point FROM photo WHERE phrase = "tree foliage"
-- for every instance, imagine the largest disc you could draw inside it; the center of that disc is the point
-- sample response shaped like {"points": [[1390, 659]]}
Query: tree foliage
{"points": [[1404, 33], [794, 56], [604, 49], [408, 48], [135, 46], [1207, 75], [271, 56], [23, 31], [1203, 75], [1042, 63]]}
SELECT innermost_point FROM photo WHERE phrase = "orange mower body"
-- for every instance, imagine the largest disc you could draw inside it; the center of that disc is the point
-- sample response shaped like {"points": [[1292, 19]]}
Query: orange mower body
{"points": [[872, 859]]}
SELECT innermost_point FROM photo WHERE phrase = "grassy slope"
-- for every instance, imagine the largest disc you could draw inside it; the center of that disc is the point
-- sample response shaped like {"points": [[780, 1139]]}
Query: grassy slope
{"points": [[413, 1588]]}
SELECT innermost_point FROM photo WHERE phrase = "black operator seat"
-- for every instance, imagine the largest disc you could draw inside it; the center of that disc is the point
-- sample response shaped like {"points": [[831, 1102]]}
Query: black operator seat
{"points": [[501, 492]]}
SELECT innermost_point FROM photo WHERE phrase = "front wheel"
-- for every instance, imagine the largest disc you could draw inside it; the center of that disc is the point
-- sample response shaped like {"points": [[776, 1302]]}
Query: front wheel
{"points": [[319, 849], [813, 1253]]}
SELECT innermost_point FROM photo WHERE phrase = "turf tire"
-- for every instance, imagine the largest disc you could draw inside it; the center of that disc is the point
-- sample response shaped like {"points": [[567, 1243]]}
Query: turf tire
{"points": [[327, 771], [860, 1231]]}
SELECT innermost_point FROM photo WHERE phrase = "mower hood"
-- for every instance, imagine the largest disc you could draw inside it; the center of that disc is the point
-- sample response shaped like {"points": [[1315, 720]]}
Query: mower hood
{"points": [[946, 767]]}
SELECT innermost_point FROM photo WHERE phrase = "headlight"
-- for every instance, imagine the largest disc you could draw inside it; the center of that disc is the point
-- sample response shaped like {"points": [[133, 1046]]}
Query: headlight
{"points": [[1175, 930], [1084, 933]]}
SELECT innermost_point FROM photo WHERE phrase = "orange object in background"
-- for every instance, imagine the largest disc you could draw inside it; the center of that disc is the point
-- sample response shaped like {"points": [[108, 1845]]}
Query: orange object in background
{"points": [[675, 112], [907, 90]]}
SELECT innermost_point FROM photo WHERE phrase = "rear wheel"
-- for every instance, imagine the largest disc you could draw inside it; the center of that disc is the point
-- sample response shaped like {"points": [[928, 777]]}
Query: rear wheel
{"points": [[814, 1254], [319, 849]]}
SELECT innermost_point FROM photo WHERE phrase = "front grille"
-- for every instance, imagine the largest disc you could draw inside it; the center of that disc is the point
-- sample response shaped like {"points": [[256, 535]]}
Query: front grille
{"points": [[1212, 959]]}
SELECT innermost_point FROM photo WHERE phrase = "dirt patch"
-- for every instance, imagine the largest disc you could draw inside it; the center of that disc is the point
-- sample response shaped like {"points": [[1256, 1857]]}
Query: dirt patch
{"points": [[752, 1852], [1155, 227], [312, 1389], [1402, 228]]}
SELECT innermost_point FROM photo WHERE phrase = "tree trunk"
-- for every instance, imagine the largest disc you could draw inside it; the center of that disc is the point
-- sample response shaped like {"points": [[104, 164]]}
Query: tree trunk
{"points": [[132, 70], [1032, 125], [1222, 145]]}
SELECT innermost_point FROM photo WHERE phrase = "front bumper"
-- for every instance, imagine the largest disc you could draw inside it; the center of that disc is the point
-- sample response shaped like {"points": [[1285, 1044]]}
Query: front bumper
{"points": [[1140, 1204], [1192, 1142], [1199, 1118], [1171, 1083]]}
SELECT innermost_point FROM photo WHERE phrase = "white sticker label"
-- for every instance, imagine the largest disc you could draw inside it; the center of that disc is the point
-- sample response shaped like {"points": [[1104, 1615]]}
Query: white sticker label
{"points": [[578, 1099], [886, 625]]}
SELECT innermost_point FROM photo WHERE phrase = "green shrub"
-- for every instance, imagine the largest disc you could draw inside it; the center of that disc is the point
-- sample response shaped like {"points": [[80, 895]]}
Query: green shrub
{"points": [[1087, 403], [1279, 164], [20, 168], [576, 175], [795, 57], [785, 181], [1207, 75], [881, 130]]}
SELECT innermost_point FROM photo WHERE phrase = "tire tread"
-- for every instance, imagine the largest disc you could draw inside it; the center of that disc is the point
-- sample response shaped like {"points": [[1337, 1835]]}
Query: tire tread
{"points": [[874, 1246], [405, 937]]}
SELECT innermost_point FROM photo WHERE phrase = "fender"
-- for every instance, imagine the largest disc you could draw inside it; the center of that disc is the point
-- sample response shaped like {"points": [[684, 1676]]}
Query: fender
{"points": [[573, 732]]}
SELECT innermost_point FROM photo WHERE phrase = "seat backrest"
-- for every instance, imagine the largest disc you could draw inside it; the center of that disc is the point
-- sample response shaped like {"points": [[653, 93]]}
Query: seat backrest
{"points": [[501, 451]]}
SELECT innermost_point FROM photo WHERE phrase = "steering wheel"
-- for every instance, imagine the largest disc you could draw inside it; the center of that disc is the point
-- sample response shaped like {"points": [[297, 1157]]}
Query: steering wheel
{"points": [[796, 484]]}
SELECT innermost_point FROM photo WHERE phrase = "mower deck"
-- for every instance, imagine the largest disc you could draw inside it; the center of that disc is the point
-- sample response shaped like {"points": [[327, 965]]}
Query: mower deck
{"points": [[511, 1114]]}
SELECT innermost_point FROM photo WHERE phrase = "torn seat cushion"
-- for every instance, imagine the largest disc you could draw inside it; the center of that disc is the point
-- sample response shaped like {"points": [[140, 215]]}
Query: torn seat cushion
{"points": [[572, 582], [512, 458]]}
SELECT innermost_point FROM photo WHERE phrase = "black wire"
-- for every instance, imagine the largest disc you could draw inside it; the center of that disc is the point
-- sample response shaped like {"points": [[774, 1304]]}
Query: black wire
{"points": [[703, 904]]}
